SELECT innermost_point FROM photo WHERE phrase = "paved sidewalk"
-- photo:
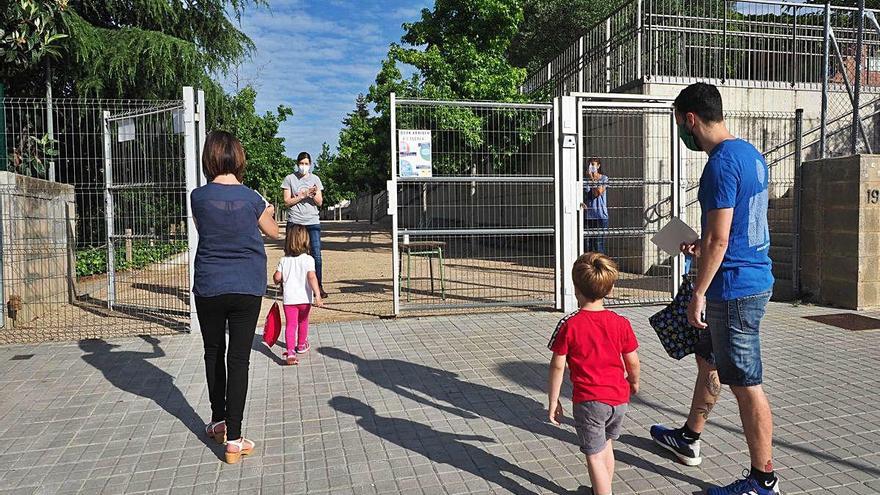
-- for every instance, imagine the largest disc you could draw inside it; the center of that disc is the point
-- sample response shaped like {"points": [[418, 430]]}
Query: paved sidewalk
{"points": [[435, 405]]}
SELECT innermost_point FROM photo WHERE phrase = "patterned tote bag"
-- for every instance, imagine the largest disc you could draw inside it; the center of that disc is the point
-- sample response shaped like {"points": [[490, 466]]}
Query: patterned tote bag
{"points": [[676, 335]]}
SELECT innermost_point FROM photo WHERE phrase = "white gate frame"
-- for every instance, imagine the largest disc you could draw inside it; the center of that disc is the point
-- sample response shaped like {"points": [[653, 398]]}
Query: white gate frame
{"points": [[194, 138], [571, 175]]}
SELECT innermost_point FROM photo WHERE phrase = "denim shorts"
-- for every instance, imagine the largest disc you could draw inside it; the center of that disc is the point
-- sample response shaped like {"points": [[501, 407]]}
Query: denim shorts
{"points": [[732, 343]]}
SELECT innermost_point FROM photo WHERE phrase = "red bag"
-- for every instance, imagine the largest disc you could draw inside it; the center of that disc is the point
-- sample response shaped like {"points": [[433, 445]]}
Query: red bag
{"points": [[272, 329]]}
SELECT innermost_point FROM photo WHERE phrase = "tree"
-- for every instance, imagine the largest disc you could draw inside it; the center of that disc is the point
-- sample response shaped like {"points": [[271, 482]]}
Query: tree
{"points": [[29, 34], [145, 49], [267, 165], [551, 26], [460, 49], [353, 170]]}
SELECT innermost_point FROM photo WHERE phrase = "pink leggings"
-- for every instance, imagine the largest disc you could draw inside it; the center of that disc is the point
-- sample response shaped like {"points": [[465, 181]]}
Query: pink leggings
{"points": [[296, 326]]}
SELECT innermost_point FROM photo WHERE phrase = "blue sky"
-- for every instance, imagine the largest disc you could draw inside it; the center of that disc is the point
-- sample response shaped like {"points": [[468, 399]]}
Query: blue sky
{"points": [[316, 56]]}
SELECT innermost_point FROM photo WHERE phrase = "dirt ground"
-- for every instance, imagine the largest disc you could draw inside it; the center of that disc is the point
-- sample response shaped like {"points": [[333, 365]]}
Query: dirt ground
{"points": [[357, 271], [357, 276]]}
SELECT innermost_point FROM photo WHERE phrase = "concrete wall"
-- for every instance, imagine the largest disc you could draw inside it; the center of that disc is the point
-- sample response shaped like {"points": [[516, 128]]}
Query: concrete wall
{"points": [[766, 132], [840, 241], [37, 243]]}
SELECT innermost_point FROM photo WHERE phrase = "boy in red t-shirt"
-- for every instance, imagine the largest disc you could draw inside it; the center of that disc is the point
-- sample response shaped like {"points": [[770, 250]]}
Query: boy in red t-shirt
{"points": [[599, 346]]}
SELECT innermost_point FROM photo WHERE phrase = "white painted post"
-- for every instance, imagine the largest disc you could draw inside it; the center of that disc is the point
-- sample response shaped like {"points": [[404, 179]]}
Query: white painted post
{"points": [[569, 198], [392, 209], [639, 34], [193, 173], [557, 194], [203, 129], [678, 192], [581, 64], [608, 55], [108, 213]]}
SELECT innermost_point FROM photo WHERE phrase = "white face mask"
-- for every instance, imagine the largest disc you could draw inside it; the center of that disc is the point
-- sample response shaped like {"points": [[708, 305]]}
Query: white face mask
{"points": [[304, 169]]}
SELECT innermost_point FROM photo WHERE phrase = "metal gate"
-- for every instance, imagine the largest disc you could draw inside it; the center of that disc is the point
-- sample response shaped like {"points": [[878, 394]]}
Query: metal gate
{"points": [[145, 199], [94, 224], [635, 140], [473, 204]]}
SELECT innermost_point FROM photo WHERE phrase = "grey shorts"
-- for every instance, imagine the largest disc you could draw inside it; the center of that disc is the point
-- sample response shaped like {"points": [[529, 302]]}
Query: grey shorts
{"points": [[596, 423]]}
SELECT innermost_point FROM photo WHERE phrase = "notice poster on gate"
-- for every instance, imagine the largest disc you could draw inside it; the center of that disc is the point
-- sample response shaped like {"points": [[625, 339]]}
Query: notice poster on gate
{"points": [[414, 153]]}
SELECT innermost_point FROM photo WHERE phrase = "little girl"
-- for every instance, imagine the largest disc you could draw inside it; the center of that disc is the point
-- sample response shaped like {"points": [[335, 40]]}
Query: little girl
{"points": [[296, 273]]}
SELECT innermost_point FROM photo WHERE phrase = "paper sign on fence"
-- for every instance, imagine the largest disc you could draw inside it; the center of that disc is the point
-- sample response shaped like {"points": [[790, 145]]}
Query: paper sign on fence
{"points": [[670, 237]]}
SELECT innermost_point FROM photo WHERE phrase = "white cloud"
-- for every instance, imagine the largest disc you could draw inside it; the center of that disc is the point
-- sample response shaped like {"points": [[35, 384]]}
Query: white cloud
{"points": [[316, 56]]}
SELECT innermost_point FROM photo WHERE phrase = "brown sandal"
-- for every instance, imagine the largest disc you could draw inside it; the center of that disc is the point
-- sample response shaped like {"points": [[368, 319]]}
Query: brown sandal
{"points": [[243, 446], [213, 431]]}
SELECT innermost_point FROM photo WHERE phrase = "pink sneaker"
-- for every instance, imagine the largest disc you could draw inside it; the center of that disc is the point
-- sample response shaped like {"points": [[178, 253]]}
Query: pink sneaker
{"points": [[302, 349]]}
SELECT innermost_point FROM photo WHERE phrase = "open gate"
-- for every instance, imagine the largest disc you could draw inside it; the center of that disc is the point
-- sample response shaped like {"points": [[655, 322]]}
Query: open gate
{"points": [[151, 164], [486, 199]]}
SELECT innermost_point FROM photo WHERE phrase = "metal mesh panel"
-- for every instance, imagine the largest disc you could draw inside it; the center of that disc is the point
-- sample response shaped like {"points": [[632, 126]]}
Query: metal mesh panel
{"points": [[774, 135], [635, 148], [58, 241], [480, 232]]}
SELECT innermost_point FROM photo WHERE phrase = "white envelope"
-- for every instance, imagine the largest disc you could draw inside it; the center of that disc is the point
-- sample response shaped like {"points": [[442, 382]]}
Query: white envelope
{"points": [[670, 237]]}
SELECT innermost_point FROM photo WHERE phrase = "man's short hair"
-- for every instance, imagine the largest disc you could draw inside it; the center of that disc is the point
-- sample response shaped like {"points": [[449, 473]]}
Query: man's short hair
{"points": [[701, 99], [594, 275]]}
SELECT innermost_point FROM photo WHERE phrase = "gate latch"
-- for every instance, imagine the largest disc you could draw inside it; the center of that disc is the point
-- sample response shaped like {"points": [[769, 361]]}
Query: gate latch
{"points": [[569, 141]]}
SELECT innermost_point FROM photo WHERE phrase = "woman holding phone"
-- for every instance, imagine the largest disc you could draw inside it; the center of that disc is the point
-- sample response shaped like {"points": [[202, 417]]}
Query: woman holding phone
{"points": [[302, 194], [595, 206]]}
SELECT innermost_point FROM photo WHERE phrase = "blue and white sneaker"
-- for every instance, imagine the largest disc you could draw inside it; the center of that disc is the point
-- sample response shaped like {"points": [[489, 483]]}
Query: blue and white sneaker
{"points": [[672, 440], [747, 486]]}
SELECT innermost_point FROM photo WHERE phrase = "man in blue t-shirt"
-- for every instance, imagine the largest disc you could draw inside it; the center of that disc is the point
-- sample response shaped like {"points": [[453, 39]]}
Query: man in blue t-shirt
{"points": [[733, 286]]}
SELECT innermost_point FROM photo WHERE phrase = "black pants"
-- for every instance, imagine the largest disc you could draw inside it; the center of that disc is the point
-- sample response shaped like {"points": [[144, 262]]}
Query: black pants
{"points": [[227, 372]]}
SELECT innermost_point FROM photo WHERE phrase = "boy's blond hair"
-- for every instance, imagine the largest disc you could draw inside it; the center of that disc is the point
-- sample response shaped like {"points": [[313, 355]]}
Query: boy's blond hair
{"points": [[594, 275]]}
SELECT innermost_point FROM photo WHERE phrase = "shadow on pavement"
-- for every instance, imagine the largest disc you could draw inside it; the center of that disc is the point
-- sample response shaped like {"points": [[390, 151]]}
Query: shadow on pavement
{"points": [[530, 375], [443, 448], [431, 386], [130, 371]]}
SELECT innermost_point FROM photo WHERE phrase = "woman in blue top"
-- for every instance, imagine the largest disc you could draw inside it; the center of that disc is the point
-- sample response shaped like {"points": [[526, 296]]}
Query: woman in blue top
{"points": [[229, 282], [595, 207]]}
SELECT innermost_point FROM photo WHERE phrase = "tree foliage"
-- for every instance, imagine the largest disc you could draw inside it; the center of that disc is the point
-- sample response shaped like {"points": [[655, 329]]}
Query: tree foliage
{"points": [[551, 26], [116, 49], [29, 34], [267, 165]]}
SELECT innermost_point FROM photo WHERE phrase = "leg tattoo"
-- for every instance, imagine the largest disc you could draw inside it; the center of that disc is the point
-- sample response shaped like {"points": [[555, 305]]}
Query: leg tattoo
{"points": [[713, 386]]}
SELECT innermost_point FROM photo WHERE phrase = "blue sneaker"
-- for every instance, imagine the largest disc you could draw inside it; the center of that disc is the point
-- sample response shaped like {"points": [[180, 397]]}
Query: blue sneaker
{"points": [[747, 486], [672, 440]]}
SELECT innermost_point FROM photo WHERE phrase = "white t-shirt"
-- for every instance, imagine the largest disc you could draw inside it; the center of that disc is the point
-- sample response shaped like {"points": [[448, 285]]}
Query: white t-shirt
{"points": [[294, 276]]}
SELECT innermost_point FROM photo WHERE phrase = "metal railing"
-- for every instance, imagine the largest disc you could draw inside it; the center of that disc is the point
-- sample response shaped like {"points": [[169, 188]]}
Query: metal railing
{"points": [[754, 42]]}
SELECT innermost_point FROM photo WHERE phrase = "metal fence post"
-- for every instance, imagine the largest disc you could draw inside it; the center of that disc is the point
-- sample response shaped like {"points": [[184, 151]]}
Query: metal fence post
{"points": [[557, 213], [192, 181], [108, 211], [50, 119], [860, 32], [826, 54], [796, 207], [639, 35], [723, 47], [678, 192], [607, 55], [203, 130], [392, 208], [570, 200]]}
